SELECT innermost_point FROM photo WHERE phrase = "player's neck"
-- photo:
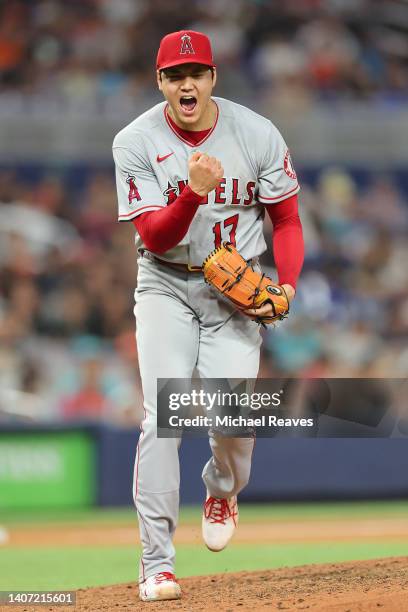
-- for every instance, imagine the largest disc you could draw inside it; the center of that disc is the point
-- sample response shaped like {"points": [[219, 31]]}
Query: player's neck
{"points": [[205, 122]]}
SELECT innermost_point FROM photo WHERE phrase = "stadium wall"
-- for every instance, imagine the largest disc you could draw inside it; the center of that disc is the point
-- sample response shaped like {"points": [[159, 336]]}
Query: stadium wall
{"points": [[93, 465]]}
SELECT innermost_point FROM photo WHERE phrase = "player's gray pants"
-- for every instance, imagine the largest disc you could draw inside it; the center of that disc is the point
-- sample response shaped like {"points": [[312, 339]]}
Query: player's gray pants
{"points": [[181, 324]]}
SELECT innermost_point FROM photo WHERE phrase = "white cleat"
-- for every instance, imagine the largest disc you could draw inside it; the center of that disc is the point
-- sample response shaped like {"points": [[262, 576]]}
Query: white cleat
{"points": [[159, 587], [220, 518]]}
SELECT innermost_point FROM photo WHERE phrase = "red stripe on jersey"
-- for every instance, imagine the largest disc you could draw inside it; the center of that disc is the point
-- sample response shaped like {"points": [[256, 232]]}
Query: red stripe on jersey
{"points": [[260, 197], [134, 212], [186, 135], [194, 138]]}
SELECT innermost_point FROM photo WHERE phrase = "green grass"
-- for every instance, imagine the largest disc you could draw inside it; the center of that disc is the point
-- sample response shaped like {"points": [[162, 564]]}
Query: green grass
{"points": [[66, 568], [76, 567], [298, 511], [72, 568], [191, 514]]}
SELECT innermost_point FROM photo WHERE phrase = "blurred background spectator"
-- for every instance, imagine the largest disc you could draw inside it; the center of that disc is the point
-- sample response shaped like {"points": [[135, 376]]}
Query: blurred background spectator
{"points": [[96, 56], [68, 270], [66, 321]]}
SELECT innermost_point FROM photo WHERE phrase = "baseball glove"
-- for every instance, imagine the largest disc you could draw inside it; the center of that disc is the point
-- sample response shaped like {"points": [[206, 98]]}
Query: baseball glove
{"points": [[227, 271]]}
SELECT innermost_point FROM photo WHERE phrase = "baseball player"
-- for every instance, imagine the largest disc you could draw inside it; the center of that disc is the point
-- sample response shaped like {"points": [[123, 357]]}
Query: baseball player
{"points": [[192, 172]]}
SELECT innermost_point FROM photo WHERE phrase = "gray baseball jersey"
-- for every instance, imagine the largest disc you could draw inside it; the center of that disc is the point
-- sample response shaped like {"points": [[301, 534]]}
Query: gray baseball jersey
{"points": [[179, 312], [151, 161]]}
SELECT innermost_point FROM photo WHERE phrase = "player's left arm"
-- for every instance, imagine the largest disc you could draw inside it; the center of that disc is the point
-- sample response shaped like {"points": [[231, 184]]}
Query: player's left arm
{"points": [[287, 242], [278, 188], [287, 246]]}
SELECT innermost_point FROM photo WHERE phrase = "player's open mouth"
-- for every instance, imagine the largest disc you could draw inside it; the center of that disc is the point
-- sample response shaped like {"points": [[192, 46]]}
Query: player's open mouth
{"points": [[188, 104]]}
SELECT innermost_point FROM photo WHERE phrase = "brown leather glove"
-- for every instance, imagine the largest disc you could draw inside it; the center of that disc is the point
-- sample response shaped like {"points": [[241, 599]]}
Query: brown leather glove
{"points": [[227, 271]]}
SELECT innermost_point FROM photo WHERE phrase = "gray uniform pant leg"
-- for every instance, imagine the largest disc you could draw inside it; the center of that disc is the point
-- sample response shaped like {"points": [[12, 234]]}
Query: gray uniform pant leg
{"points": [[229, 351], [167, 339]]}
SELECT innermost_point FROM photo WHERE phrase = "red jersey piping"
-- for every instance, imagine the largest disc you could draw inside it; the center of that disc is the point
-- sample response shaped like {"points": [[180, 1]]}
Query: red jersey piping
{"points": [[137, 211], [279, 196], [197, 144]]}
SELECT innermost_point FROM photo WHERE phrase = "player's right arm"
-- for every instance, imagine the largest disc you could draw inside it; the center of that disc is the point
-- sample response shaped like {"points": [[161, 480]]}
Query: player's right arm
{"points": [[163, 229]]}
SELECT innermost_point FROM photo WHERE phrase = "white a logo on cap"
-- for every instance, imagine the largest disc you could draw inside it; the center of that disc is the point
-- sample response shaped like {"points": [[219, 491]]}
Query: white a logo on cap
{"points": [[186, 46]]}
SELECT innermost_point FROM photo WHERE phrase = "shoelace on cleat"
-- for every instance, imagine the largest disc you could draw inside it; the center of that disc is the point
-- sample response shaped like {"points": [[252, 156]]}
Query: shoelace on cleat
{"points": [[218, 510], [163, 576]]}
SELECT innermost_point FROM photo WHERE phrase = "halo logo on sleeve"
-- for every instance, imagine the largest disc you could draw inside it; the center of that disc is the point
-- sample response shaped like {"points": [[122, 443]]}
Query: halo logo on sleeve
{"points": [[133, 191], [186, 45], [170, 193], [288, 166]]}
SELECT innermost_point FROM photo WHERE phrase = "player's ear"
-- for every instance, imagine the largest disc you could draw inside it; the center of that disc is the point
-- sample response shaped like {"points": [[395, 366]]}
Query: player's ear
{"points": [[214, 76], [159, 79]]}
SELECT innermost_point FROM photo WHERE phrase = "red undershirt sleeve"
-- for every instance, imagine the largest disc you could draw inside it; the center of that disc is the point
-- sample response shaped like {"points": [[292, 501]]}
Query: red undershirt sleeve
{"points": [[287, 244], [163, 229]]}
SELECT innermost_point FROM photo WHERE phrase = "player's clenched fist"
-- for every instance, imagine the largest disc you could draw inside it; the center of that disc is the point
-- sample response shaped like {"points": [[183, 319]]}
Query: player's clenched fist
{"points": [[204, 173]]}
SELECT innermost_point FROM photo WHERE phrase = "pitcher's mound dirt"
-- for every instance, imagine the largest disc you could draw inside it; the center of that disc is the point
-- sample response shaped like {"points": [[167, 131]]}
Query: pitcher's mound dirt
{"points": [[378, 585]]}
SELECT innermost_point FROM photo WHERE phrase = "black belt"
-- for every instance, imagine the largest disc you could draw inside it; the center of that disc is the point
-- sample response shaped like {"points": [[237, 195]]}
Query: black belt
{"points": [[179, 267]]}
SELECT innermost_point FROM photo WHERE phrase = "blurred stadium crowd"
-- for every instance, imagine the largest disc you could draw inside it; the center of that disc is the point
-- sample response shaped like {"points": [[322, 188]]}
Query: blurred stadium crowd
{"points": [[68, 270], [87, 56]]}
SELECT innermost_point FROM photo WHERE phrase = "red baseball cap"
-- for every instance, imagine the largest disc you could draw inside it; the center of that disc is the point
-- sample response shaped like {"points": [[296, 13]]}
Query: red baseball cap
{"points": [[184, 47]]}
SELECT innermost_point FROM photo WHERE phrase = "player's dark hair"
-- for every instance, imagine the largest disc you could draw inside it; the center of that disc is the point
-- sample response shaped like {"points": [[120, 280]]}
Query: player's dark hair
{"points": [[164, 70]]}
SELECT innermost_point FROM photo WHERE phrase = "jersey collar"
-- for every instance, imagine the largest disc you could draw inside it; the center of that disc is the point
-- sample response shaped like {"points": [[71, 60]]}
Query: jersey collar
{"points": [[180, 137]]}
